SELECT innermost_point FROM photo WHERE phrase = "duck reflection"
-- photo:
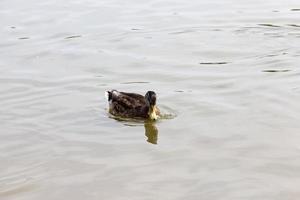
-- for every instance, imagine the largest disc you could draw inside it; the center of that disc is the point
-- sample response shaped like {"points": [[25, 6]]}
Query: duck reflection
{"points": [[151, 132]]}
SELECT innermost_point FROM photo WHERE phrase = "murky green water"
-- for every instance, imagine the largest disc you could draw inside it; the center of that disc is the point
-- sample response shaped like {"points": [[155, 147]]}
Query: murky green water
{"points": [[227, 70]]}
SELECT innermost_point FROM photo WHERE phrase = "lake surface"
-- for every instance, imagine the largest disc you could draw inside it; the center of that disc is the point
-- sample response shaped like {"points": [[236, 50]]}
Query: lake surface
{"points": [[226, 72]]}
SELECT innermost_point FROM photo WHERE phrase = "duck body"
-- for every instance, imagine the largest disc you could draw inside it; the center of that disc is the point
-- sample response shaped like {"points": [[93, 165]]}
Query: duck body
{"points": [[132, 105]]}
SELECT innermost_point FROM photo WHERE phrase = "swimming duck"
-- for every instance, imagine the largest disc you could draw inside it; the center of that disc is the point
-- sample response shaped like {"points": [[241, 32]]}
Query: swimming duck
{"points": [[132, 105]]}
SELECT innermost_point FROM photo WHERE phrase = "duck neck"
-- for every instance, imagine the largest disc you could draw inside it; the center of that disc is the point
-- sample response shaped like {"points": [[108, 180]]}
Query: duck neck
{"points": [[152, 112]]}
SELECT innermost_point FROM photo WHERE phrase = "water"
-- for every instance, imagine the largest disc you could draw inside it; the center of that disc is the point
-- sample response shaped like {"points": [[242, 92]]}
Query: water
{"points": [[227, 72]]}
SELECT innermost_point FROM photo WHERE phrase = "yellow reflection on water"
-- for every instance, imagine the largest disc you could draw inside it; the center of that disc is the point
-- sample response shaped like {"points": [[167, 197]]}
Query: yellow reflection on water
{"points": [[151, 132]]}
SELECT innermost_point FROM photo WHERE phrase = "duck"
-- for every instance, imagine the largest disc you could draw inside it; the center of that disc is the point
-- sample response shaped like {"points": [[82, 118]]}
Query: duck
{"points": [[133, 105]]}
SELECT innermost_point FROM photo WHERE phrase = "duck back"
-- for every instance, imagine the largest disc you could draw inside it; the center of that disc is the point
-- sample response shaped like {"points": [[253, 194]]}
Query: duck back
{"points": [[129, 105]]}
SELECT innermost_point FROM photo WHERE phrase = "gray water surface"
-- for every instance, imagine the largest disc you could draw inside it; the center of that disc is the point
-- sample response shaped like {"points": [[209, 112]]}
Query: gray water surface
{"points": [[227, 72]]}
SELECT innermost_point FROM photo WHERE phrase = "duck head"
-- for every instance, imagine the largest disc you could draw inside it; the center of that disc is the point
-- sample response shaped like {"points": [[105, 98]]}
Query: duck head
{"points": [[150, 98]]}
